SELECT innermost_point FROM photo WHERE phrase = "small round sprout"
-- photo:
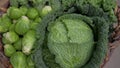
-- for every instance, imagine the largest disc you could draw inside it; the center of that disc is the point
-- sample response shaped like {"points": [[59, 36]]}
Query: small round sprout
{"points": [[9, 50], [45, 11], [14, 13]]}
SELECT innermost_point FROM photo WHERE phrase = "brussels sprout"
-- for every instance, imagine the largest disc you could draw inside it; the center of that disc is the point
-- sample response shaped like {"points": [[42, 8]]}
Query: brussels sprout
{"points": [[45, 11], [3, 29], [32, 13], [22, 26], [5, 23], [14, 13], [24, 10], [18, 60], [11, 36], [18, 44], [38, 20], [30, 63], [5, 41], [33, 26], [9, 50], [12, 27], [28, 42]]}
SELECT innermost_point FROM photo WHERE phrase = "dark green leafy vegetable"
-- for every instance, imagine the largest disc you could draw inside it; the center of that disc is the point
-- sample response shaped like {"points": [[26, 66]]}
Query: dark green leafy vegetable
{"points": [[14, 3], [22, 2], [108, 4], [17, 3]]}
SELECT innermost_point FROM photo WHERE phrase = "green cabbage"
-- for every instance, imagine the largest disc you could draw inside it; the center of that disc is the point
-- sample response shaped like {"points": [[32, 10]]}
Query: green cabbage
{"points": [[71, 41]]}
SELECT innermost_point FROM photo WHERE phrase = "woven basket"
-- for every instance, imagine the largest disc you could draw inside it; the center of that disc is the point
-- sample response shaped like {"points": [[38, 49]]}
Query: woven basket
{"points": [[113, 43]]}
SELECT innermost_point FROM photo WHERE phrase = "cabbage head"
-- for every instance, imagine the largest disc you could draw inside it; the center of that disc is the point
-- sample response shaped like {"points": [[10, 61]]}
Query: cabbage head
{"points": [[71, 41]]}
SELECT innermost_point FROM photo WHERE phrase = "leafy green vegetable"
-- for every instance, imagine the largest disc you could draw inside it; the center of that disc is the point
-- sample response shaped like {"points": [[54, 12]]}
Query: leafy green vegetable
{"points": [[14, 3], [58, 33], [28, 42], [18, 44], [14, 13], [30, 63], [17, 3], [11, 36], [108, 4], [69, 41], [22, 25], [18, 60], [9, 50], [96, 3], [32, 13], [22, 2]]}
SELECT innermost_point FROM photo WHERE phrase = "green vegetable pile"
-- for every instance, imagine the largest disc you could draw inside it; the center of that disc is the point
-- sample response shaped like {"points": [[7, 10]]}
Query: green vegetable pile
{"points": [[57, 33], [18, 28]]}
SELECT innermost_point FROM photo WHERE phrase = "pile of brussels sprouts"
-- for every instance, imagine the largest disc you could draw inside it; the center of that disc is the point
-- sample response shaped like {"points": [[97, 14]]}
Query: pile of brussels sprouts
{"points": [[18, 28]]}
